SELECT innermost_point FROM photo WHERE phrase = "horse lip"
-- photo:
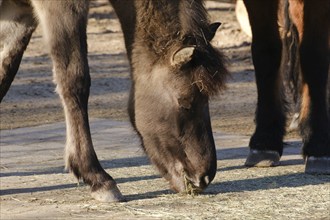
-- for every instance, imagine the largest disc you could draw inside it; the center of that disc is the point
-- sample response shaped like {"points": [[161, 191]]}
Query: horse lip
{"points": [[185, 184], [200, 184], [192, 187]]}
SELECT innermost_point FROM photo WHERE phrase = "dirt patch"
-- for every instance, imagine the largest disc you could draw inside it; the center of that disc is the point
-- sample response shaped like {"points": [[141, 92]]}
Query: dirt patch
{"points": [[31, 99], [33, 184]]}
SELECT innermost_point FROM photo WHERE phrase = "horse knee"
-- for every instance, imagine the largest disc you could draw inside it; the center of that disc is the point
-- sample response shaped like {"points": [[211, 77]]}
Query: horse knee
{"points": [[315, 73], [73, 81], [314, 47], [67, 41], [17, 25]]}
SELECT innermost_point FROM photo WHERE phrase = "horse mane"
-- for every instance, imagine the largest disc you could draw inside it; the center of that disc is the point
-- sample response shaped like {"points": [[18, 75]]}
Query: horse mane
{"points": [[209, 71], [208, 66], [168, 25]]}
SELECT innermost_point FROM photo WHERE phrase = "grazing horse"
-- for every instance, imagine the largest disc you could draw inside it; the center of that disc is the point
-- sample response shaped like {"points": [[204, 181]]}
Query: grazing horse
{"points": [[174, 72], [312, 20]]}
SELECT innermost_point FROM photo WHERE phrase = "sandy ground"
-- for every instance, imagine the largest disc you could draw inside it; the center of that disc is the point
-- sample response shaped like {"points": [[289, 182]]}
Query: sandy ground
{"points": [[34, 186], [237, 193], [31, 99]]}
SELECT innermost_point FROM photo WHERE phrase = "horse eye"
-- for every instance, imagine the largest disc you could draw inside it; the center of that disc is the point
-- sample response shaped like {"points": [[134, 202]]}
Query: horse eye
{"points": [[184, 103]]}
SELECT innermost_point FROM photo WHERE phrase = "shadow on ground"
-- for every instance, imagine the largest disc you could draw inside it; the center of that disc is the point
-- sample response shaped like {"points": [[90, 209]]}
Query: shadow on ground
{"points": [[251, 184], [268, 182]]}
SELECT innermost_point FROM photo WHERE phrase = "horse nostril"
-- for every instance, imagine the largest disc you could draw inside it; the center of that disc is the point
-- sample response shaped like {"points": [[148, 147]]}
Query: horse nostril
{"points": [[207, 180], [204, 182]]}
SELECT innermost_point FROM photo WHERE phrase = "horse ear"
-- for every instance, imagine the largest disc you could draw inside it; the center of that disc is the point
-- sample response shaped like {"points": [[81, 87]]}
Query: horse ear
{"points": [[182, 56], [213, 29]]}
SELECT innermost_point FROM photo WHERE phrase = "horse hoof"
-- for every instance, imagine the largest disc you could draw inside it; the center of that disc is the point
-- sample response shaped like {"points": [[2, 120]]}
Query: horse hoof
{"points": [[257, 158], [108, 195], [317, 165]]}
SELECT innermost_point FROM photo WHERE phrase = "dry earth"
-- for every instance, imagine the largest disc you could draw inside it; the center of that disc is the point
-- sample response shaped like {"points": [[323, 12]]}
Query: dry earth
{"points": [[237, 193], [31, 99]]}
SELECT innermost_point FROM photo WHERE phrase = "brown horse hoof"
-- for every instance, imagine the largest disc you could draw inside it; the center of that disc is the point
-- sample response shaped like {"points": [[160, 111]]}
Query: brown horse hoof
{"points": [[317, 165], [257, 158], [108, 195]]}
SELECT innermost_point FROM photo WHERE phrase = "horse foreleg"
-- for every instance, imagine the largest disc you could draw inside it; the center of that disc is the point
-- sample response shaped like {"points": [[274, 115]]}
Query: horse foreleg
{"points": [[266, 144], [16, 27], [64, 25], [314, 59]]}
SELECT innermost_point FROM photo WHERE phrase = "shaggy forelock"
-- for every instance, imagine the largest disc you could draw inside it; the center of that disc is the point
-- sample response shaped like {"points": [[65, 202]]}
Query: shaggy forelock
{"points": [[209, 71]]}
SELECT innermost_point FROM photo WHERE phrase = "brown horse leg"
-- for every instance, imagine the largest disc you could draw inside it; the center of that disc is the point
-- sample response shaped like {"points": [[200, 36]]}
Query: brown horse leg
{"points": [[314, 56], [126, 13], [266, 144], [16, 27], [64, 25]]}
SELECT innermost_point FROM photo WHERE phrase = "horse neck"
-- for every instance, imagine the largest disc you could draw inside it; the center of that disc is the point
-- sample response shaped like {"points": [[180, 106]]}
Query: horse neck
{"points": [[164, 23], [193, 17]]}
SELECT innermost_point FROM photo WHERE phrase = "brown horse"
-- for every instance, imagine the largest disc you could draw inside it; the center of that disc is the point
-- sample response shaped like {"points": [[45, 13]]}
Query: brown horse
{"points": [[174, 71], [312, 20]]}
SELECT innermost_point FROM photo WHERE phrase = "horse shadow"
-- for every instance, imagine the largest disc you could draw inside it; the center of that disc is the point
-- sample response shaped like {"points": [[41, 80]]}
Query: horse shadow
{"points": [[290, 148], [292, 180], [252, 184]]}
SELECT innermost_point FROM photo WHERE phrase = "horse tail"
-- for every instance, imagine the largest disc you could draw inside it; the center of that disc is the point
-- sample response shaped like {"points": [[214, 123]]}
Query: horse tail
{"points": [[294, 71], [290, 67]]}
